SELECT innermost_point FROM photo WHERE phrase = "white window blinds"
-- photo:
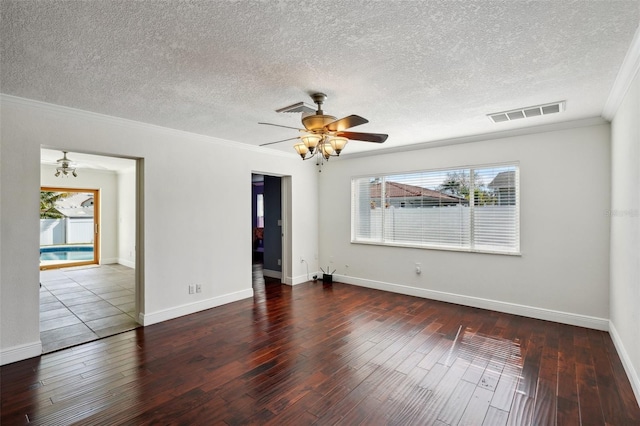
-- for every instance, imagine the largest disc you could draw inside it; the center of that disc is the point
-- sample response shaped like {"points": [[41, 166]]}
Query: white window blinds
{"points": [[472, 209]]}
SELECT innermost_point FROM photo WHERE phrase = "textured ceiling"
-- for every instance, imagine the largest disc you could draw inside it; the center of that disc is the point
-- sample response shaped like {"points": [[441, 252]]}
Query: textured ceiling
{"points": [[419, 71]]}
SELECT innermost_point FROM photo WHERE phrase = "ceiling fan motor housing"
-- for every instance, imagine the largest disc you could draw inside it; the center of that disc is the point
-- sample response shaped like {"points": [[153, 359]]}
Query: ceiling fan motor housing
{"points": [[315, 123]]}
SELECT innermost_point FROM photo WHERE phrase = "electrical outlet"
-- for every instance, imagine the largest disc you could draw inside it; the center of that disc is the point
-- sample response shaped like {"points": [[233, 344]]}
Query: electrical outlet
{"points": [[198, 288], [418, 269], [192, 288], [279, 262]]}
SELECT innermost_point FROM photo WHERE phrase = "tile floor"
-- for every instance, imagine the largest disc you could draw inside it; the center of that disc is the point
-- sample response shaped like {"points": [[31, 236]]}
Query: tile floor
{"points": [[82, 304]]}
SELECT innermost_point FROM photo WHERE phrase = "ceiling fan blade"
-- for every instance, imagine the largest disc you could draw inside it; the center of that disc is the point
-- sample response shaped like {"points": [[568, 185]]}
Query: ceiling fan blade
{"points": [[366, 137], [283, 140], [346, 123], [279, 125]]}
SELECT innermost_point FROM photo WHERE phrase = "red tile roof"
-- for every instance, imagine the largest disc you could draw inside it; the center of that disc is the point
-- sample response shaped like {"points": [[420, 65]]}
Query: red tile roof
{"points": [[401, 190]]}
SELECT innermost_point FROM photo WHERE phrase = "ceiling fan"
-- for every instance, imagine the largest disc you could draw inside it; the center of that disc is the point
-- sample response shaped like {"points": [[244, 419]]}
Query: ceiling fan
{"points": [[324, 135]]}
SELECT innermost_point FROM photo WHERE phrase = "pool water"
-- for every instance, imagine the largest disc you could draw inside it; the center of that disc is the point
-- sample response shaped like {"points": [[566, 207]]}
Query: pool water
{"points": [[66, 253]]}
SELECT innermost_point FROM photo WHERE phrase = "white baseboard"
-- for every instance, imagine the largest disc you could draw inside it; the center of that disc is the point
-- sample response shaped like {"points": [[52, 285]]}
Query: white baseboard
{"points": [[20, 352], [108, 260], [272, 274], [298, 280], [477, 302], [632, 374], [191, 308], [301, 279], [127, 263]]}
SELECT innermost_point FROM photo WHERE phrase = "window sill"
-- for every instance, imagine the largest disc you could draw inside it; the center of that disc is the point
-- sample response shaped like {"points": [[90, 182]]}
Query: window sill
{"points": [[440, 248]]}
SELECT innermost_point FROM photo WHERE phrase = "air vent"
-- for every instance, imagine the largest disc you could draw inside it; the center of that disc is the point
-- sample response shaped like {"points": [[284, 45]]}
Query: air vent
{"points": [[527, 112], [299, 107]]}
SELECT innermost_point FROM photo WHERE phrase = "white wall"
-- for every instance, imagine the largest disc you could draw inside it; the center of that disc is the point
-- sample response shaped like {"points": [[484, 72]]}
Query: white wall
{"points": [[211, 247], [127, 218], [106, 182], [625, 233], [563, 272]]}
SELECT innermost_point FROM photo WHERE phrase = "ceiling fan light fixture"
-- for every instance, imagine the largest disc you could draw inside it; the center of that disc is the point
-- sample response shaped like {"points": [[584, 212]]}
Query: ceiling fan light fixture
{"points": [[338, 143], [301, 149], [311, 141], [326, 150], [65, 167]]}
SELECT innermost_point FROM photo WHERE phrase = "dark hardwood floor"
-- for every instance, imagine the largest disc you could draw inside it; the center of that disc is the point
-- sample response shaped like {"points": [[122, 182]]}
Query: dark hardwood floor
{"points": [[329, 354]]}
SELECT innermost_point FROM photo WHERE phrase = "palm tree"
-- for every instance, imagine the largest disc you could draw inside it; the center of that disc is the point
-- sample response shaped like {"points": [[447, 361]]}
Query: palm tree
{"points": [[48, 201]]}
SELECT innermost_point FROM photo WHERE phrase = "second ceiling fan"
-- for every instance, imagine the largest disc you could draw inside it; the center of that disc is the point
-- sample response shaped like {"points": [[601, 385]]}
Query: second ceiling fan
{"points": [[325, 135]]}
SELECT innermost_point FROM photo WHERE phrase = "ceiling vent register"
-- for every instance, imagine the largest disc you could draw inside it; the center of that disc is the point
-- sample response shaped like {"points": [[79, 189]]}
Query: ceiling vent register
{"points": [[299, 107], [527, 112]]}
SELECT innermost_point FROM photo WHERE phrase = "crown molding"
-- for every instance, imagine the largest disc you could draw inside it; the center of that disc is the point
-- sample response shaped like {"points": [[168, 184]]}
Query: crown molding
{"points": [[564, 125], [626, 74], [135, 125]]}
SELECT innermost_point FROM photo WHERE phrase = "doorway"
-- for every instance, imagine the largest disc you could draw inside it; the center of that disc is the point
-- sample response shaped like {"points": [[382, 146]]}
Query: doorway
{"points": [[267, 223], [69, 227], [87, 299], [270, 221]]}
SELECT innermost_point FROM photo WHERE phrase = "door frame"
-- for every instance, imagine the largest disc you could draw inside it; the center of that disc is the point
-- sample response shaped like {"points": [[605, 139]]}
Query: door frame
{"points": [[96, 227], [286, 214]]}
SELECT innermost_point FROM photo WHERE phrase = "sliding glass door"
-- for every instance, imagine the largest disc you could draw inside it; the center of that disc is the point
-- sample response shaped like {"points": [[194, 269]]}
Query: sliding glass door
{"points": [[69, 227]]}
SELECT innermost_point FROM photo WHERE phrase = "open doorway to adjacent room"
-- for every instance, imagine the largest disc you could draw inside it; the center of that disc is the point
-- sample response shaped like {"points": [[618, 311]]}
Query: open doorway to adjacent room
{"points": [[88, 232], [270, 218]]}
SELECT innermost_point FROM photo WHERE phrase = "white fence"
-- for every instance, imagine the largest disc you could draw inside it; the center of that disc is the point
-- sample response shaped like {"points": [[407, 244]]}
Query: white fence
{"points": [[66, 231], [493, 226]]}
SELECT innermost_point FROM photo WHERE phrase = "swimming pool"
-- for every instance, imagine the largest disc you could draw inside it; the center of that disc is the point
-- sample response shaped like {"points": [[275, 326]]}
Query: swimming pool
{"points": [[66, 253]]}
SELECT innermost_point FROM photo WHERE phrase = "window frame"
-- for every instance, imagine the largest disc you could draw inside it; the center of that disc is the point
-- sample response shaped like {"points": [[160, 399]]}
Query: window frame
{"points": [[425, 246]]}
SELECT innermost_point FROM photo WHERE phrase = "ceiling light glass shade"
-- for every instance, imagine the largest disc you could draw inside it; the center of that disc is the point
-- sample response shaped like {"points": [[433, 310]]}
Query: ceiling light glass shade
{"points": [[338, 143], [326, 150], [311, 141], [301, 149], [65, 170]]}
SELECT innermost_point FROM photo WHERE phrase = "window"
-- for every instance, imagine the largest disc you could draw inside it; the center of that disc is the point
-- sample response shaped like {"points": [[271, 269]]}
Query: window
{"points": [[260, 211], [471, 209]]}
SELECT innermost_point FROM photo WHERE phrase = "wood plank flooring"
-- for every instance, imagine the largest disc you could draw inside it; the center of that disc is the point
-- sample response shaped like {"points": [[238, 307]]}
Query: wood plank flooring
{"points": [[329, 354]]}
